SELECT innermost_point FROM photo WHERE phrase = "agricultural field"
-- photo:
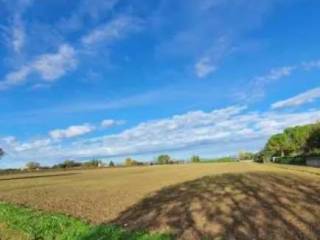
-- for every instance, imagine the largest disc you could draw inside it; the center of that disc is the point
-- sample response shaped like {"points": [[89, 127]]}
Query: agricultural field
{"points": [[192, 201]]}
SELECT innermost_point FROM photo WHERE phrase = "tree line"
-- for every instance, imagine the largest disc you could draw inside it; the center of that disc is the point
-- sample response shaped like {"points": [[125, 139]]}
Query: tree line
{"points": [[294, 144]]}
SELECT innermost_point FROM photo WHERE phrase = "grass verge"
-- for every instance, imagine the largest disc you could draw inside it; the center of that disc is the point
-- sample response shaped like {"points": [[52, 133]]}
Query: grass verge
{"points": [[34, 225]]}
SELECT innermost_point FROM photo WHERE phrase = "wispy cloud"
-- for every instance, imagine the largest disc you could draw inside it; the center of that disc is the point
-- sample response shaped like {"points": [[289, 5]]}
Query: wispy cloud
{"points": [[204, 67], [16, 30], [213, 56], [115, 29], [275, 74], [18, 35], [48, 66], [311, 65], [261, 82], [87, 10], [256, 87], [52, 66], [300, 99]]}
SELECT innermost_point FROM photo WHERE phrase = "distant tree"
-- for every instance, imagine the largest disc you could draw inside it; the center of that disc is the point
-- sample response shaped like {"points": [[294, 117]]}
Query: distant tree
{"points": [[1, 153], [163, 159], [93, 163], [246, 156], [131, 162], [128, 162], [195, 159], [67, 164], [111, 164], [32, 165]]}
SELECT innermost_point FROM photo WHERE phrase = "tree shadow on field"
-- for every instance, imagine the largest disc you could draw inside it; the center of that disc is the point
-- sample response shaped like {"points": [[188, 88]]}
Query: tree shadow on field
{"points": [[232, 206], [37, 176]]}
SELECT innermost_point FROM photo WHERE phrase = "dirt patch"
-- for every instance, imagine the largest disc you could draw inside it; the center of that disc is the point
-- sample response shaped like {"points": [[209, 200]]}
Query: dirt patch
{"points": [[233, 206]]}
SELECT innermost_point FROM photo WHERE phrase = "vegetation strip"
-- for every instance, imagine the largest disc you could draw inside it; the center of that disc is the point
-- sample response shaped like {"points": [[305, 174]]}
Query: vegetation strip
{"points": [[40, 225], [297, 169]]}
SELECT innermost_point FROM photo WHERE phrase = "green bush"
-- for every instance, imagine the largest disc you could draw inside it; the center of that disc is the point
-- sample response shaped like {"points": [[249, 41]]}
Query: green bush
{"points": [[299, 160]]}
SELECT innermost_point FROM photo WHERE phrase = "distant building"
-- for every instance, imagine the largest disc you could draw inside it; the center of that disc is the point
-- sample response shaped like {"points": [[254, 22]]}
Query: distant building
{"points": [[313, 161]]}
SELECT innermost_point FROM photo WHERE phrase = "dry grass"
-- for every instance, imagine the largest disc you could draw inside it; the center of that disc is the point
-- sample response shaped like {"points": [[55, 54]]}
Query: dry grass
{"points": [[237, 201]]}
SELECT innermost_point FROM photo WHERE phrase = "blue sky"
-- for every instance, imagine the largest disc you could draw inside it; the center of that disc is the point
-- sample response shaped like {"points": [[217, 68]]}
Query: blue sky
{"points": [[118, 78]]}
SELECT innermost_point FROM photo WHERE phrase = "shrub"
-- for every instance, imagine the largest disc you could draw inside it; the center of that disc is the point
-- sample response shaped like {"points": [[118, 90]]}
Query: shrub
{"points": [[298, 160]]}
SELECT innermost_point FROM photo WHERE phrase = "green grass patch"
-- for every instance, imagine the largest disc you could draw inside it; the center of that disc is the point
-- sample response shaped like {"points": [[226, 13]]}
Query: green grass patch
{"points": [[46, 226]]}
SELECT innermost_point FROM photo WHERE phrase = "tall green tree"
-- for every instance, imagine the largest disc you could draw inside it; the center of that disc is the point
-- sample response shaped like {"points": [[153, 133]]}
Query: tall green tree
{"points": [[279, 145]]}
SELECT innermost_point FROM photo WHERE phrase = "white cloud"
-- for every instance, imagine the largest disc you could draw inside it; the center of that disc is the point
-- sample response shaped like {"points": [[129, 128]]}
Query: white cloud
{"points": [[204, 67], [218, 129], [112, 30], [52, 66], [108, 123], [72, 131], [49, 66], [300, 99]]}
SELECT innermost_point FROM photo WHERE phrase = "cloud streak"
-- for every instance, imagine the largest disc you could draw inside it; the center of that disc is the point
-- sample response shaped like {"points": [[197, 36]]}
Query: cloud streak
{"points": [[300, 99], [115, 29]]}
